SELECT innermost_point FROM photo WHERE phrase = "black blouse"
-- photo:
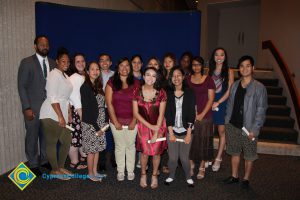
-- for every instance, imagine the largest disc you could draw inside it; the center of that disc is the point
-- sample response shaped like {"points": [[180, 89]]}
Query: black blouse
{"points": [[89, 104]]}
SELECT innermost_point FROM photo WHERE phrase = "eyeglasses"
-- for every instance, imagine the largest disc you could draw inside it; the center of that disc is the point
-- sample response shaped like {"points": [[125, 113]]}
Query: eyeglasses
{"points": [[196, 65]]}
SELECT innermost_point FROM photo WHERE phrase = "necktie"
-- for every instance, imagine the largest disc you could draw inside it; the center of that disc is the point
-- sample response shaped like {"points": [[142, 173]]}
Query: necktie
{"points": [[45, 68]]}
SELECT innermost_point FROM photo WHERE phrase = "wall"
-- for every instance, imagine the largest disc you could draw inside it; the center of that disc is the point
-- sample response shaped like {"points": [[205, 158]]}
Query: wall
{"points": [[17, 32], [280, 24]]}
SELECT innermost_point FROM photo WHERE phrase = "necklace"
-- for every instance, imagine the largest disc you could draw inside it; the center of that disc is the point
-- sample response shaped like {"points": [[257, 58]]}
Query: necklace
{"points": [[148, 95]]}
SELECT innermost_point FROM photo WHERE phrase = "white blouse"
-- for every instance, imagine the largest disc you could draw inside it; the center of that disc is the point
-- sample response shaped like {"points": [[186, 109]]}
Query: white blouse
{"points": [[178, 126], [77, 81], [59, 89]]}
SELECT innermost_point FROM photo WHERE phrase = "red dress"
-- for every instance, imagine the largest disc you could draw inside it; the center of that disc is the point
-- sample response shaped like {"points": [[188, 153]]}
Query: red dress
{"points": [[150, 112]]}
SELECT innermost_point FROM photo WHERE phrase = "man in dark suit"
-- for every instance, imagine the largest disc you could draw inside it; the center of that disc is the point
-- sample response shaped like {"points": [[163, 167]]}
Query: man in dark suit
{"points": [[32, 76]]}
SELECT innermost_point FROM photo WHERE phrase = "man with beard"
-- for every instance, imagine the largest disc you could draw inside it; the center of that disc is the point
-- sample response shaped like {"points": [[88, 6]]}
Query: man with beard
{"points": [[32, 77]]}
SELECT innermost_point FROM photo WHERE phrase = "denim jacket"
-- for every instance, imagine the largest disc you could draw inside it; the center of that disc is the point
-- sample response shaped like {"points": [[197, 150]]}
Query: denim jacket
{"points": [[255, 105]]}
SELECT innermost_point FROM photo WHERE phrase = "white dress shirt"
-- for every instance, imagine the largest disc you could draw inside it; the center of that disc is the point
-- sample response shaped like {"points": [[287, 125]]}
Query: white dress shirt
{"points": [[59, 89], [105, 77], [41, 58], [77, 81]]}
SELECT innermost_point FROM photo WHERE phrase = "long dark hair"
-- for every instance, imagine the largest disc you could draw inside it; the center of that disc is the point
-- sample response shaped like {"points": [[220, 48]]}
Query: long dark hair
{"points": [[117, 83], [225, 67], [72, 69], [97, 86], [161, 69], [200, 60], [157, 84], [171, 75]]}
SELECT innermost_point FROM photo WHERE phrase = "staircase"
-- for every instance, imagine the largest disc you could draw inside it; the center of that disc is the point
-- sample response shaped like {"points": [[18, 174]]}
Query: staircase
{"points": [[278, 135], [279, 126]]}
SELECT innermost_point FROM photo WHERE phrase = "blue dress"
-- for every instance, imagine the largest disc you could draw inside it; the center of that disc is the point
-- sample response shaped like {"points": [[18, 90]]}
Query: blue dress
{"points": [[219, 116]]}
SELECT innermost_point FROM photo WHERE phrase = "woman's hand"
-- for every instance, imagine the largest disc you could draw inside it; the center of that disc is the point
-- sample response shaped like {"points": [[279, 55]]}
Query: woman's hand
{"points": [[200, 117], [172, 138], [187, 139], [61, 122], [118, 125], [215, 105], [154, 137], [154, 127], [132, 124], [99, 133]]}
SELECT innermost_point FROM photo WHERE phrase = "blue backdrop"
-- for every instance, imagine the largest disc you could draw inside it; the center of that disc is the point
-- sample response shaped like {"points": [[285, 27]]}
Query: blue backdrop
{"points": [[118, 33]]}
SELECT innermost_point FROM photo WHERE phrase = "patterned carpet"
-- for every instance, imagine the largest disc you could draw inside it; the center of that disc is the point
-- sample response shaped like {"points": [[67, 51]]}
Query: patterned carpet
{"points": [[274, 177]]}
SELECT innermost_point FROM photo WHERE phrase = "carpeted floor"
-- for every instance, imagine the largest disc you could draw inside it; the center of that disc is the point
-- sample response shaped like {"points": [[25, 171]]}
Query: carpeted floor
{"points": [[274, 177]]}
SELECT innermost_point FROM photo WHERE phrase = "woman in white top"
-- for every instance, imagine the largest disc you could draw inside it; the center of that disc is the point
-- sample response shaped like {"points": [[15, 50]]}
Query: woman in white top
{"points": [[54, 115], [77, 74]]}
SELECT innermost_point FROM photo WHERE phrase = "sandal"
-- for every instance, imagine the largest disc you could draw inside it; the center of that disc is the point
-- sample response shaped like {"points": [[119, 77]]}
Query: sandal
{"points": [[65, 171], [154, 181], [216, 165], [143, 180], [78, 165], [83, 160], [201, 173]]}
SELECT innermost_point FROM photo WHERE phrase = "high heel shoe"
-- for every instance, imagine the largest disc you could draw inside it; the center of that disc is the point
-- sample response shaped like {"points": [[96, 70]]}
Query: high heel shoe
{"points": [[216, 166], [143, 180], [154, 181], [192, 170], [201, 173]]}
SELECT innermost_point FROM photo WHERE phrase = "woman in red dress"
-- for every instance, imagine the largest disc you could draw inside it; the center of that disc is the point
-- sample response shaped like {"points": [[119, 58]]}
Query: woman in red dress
{"points": [[149, 104]]}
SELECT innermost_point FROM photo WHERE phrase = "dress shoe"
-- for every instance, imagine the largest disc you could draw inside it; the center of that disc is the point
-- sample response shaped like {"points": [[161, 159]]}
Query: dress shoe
{"points": [[47, 166], [231, 180], [102, 168], [190, 183], [36, 171], [113, 163], [245, 184], [168, 181]]}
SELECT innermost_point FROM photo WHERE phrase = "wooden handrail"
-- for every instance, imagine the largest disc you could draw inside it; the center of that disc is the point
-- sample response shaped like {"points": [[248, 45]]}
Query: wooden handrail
{"points": [[288, 76]]}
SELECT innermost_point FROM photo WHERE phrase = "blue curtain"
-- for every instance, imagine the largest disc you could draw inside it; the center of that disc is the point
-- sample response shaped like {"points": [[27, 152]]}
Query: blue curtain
{"points": [[118, 33]]}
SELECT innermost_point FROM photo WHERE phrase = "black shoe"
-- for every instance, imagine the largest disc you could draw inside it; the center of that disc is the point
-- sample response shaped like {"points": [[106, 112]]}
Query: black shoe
{"points": [[113, 163], [36, 171], [102, 168], [168, 181], [47, 166], [231, 180], [245, 184]]}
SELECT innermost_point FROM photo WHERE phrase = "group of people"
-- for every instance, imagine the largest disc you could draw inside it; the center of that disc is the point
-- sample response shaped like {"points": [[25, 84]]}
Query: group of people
{"points": [[153, 109]]}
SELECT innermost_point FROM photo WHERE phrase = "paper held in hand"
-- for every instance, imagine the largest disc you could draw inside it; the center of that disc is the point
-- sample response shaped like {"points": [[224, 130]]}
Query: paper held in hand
{"points": [[164, 138], [247, 132], [70, 128]]}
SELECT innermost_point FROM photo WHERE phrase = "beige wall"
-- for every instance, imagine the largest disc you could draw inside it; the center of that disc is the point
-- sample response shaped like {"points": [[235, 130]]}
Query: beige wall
{"points": [[17, 32], [280, 23]]}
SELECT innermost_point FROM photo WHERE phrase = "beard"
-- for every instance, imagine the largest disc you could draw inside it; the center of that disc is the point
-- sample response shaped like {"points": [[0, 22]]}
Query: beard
{"points": [[43, 52]]}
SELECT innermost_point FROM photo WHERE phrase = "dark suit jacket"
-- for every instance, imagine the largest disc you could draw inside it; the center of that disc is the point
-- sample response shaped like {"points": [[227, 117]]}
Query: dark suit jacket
{"points": [[188, 108], [31, 83]]}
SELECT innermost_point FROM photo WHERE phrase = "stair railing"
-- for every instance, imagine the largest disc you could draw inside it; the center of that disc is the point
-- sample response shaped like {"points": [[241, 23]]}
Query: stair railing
{"points": [[288, 76]]}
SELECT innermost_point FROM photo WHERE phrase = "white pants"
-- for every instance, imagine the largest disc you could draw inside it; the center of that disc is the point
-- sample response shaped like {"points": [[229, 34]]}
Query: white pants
{"points": [[124, 148]]}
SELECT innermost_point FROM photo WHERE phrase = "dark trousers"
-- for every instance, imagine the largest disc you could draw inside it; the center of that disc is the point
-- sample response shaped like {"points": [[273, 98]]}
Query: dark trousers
{"points": [[35, 148], [179, 150]]}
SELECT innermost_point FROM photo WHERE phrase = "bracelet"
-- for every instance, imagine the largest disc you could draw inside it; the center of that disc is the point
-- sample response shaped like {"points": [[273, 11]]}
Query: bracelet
{"points": [[190, 125]]}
